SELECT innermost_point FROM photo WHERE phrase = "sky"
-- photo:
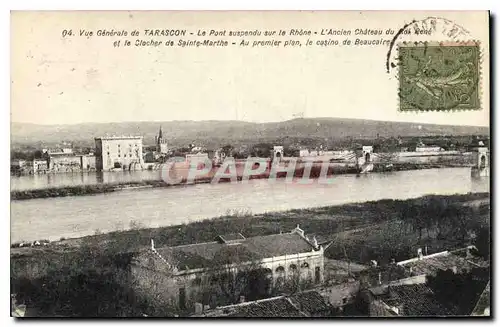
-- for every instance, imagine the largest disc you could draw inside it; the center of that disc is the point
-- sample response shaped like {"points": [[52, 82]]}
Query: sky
{"points": [[77, 79]]}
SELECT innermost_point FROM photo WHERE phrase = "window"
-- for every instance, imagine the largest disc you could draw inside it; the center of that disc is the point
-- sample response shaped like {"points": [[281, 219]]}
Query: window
{"points": [[280, 278], [118, 155], [317, 275], [305, 265], [151, 262], [293, 267], [182, 298]]}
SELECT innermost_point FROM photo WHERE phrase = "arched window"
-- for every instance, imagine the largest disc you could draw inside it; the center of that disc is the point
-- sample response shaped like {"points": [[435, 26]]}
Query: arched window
{"points": [[317, 275], [267, 273], [293, 267], [305, 272], [280, 278]]}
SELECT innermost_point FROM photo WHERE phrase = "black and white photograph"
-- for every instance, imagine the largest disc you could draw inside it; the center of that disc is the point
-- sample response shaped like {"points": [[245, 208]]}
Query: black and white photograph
{"points": [[250, 164]]}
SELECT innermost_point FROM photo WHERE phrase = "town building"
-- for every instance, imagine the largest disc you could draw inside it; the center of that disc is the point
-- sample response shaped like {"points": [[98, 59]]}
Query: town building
{"points": [[421, 147], [118, 152], [195, 148], [63, 162], [40, 166], [195, 157], [178, 275], [219, 156], [65, 148], [18, 165], [88, 162], [460, 261], [411, 300], [412, 295], [150, 157]]}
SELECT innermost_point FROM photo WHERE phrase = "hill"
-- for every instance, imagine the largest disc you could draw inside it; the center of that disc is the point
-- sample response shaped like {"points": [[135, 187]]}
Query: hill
{"points": [[180, 133]]}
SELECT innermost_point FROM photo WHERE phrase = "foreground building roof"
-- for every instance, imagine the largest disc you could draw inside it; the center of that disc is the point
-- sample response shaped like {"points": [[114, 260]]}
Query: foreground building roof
{"points": [[304, 304], [235, 248], [482, 307], [413, 300], [461, 260]]}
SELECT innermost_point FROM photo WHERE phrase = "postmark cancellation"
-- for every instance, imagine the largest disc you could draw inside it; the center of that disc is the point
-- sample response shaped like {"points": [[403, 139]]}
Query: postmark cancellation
{"points": [[439, 76]]}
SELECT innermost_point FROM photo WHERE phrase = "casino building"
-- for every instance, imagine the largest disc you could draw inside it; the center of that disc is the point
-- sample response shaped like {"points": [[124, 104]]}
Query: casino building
{"points": [[176, 275]]}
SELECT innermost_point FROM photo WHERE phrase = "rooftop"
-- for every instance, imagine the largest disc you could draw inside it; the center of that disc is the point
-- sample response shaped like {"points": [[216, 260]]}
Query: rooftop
{"points": [[311, 302], [119, 137], [483, 304], [304, 304], [461, 260], [413, 300], [235, 248]]}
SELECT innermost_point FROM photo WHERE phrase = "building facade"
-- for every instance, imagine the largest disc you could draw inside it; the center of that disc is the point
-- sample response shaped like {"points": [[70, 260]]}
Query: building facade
{"points": [[88, 162], [177, 274], [40, 166], [118, 153], [63, 162]]}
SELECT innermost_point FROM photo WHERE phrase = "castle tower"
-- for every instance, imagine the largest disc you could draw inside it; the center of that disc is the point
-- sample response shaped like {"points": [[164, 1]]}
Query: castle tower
{"points": [[364, 155], [161, 144], [277, 152], [364, 160]]}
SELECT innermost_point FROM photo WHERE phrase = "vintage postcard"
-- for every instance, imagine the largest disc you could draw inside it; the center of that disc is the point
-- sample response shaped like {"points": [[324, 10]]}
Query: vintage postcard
{"points": [[250, 164]]}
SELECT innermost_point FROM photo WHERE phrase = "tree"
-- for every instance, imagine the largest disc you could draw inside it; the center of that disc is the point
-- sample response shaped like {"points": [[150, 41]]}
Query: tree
{"points": [[262, 150], [483, 241], [459, 292], [85, 282], [228, 150], [225, 284]]}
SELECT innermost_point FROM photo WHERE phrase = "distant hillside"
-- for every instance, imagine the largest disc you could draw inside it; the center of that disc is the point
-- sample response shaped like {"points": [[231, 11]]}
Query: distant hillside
{"points": [[179, 133]]}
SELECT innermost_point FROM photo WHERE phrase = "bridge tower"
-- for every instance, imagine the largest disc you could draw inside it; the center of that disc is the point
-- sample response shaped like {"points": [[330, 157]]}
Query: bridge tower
{"points": [[364, 155], [481, 160], [277, 152], [364, 158]]}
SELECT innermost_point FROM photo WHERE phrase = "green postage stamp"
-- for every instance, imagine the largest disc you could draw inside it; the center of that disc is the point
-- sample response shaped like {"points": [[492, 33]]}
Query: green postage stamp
{"points": [[439, 76]]}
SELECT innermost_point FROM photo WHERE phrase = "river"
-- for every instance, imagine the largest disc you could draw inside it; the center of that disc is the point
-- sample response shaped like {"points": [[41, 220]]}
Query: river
{"points": [[27, 182], [52, 218]]}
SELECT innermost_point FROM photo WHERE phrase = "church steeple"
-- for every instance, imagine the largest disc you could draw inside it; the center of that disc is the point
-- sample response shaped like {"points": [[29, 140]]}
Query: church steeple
{"points": [[160, 136], [161, 144]]}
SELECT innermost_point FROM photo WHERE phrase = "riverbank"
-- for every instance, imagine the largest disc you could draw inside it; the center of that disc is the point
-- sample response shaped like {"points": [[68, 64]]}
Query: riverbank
{"points": [[96, 267], [321, 221], [79, 190], [90, 189]]}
